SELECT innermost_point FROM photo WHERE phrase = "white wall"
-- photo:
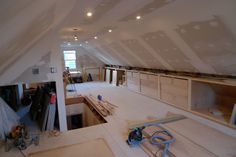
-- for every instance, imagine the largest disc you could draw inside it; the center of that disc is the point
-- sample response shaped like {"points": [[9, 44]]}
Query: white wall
{"points": [[43, 56]]}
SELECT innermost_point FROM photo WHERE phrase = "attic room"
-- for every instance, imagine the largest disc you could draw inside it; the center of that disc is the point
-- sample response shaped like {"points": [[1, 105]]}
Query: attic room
{"points": [[118, 78]]}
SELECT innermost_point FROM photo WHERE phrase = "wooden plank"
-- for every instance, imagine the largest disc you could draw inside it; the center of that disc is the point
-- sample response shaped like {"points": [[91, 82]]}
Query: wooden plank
{"points": [[233, 116], [102, 111], [168, 119], [189, 94], [107, 75], [74, 100], [51, 117], [114, 77], [105, 104]]}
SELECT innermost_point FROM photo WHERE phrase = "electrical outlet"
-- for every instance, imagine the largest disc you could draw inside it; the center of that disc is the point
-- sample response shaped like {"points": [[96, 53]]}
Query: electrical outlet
{"points": [[35, 71]]}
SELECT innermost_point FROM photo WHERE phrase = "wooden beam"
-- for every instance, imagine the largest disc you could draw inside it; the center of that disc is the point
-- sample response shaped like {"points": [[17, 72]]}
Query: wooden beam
{"points": [[75, 100]]}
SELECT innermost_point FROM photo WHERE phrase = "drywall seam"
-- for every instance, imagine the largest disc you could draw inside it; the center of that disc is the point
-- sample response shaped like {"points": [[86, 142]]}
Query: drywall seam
{"points": [[98, 54], [156, 55], [142, 63], [104, 53], [123, 58], [189, 53], [110, 54]]}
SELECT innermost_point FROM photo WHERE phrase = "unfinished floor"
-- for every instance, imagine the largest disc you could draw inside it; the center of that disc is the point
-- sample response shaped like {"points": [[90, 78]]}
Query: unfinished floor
{"points": [[194, 138]]}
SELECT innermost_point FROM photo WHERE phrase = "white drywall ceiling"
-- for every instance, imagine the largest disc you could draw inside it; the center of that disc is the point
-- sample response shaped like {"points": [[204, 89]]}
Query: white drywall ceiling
{"points": [[186, 35]]}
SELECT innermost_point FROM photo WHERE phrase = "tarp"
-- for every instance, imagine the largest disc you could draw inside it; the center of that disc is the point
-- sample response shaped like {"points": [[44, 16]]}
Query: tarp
{"points": [[8, 119]]}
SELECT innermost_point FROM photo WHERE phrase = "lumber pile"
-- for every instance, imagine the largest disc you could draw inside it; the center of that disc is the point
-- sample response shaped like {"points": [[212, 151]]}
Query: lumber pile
{"points": [[103, 107]]}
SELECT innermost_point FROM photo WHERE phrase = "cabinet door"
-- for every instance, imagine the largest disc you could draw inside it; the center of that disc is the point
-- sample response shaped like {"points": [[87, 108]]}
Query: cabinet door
{"points": [[114, 77], [149, 85], [133, 81], [107, 75], [174, 91]]}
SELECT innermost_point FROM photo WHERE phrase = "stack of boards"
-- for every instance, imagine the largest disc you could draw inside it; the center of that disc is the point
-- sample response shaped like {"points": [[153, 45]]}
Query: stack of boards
{"points": [[103, 107], [49, 117]]}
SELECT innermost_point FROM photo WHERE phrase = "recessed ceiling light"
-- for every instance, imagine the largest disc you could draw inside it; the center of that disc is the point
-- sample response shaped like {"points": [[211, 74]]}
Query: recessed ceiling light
{"points": [[68, 43], [80, 44], [138, 17], [95, 37], [86, 42], [75, 37], [110, 30], [89, 14]]}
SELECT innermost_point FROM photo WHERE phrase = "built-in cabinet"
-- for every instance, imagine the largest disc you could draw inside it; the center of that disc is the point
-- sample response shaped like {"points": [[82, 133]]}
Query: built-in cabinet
{"points": [[149, 85], [216, 101], [208, 98], [114, 77], [174, 91], [133, 81], [108, 76]]}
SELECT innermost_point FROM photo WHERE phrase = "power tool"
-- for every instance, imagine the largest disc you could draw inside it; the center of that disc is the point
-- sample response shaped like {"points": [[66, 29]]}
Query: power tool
{"points": [[135, 137]]}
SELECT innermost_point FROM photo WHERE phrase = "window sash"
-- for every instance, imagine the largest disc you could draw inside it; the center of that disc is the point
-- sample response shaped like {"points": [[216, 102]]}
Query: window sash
{"points": [[70, 63], [70, 59]]}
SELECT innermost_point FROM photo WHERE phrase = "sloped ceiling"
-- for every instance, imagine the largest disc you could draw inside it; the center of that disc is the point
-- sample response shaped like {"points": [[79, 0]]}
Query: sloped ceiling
{"points": [[184, 35]]}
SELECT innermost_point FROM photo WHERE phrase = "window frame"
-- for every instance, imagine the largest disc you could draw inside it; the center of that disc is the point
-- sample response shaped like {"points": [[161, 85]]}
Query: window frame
{"points": [[71, 59]]}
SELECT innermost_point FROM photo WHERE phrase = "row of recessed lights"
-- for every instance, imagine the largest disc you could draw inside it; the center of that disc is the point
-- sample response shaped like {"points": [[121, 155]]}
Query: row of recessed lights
{"points": [[90, 14], [95, 37]]}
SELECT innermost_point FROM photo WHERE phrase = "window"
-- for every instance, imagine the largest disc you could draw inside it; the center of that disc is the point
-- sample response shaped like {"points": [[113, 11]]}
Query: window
{"points": [[70, 59]]}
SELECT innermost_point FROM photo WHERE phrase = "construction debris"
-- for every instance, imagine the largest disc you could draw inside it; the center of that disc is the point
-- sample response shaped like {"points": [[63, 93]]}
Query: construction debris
{"points": [[100, 105], [8, 119]]}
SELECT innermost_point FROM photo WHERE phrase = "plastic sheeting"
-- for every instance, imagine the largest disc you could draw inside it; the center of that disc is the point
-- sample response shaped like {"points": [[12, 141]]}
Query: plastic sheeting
{"points": [[8, 119]]}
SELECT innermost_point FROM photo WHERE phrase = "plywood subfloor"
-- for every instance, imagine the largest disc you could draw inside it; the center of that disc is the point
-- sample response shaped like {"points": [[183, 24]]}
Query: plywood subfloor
{"points": [[97, 147]]}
